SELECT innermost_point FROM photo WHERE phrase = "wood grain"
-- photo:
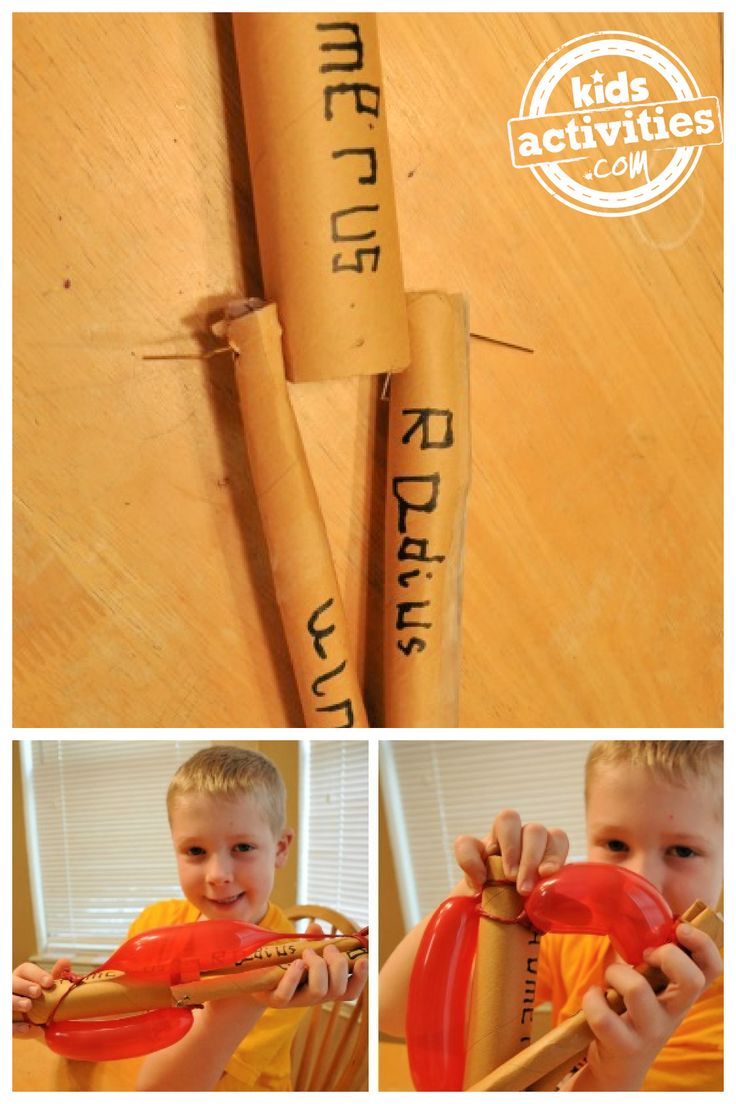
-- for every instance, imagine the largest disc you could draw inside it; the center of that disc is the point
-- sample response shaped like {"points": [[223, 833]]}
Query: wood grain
{"points": [[142, 590]]}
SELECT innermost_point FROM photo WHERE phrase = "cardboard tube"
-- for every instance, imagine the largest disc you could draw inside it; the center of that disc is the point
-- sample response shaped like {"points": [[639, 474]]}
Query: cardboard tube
{"points": [[428, 479], [102, 994], [504, 979], [315, 122], [301, 562], [229, 985], [110, 993], [547, 1061]]}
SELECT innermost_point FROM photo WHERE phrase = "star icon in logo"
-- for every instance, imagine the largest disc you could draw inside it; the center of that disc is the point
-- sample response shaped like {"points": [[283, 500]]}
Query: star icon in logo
{"points": [[597, 77]]}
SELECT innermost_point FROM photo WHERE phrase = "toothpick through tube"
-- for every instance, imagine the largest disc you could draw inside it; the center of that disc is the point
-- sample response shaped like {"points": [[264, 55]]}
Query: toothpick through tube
{"points": [[110, 992], [546, 1062], [303, 572]]}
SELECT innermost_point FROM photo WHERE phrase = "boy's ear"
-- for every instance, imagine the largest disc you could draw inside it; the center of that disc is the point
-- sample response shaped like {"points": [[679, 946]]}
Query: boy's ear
{"points": [[283, 843]]}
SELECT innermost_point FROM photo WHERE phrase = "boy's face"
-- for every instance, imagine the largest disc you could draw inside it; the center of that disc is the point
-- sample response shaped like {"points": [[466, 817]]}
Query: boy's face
{"points": [[227, 855], [671, 835]]}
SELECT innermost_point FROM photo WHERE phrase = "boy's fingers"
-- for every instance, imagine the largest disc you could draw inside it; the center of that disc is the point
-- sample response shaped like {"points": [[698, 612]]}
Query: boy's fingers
{"points": [[638, 995], [318, 979], [25, 988], [313, 928], [470, 855], [284, 991], [558, 846], [29, 971], [60, 966], [337, 969], [609, 1029], [687, 980], [533, 846], [507, 833], [356, 982], [703, 950]]}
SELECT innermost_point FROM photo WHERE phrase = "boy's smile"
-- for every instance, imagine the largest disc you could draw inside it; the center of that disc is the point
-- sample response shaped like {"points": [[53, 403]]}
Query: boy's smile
{"points": [[227, 854], [670, 834]]}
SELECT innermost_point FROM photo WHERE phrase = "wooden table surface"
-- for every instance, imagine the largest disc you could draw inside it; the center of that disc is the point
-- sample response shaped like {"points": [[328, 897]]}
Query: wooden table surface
{"points": [[38, 1069], [593, 569]]}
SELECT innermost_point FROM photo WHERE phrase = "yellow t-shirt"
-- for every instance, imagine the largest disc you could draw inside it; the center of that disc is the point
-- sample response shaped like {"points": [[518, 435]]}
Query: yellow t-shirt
{"points": [[692, 1058], [262, 1061]]}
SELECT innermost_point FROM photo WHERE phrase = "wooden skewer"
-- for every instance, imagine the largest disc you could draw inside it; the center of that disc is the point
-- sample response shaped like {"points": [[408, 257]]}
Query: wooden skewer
{"points": [[544, 1064]]}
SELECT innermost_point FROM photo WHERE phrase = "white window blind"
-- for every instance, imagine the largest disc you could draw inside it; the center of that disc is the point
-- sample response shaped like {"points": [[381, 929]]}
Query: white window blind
{"points": [[434, 791], [98, 838], [333, 847]]}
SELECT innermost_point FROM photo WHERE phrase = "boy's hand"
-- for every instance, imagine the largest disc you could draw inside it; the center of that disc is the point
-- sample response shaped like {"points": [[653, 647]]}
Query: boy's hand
{"points": [[28, 981], [313, 979], [529, 852], [625, 1046]]}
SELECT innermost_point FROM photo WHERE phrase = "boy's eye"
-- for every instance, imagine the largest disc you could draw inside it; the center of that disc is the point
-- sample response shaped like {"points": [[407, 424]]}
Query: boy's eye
{"points": [[243, 847], [194, 851], [616, 845], [682, 851]]}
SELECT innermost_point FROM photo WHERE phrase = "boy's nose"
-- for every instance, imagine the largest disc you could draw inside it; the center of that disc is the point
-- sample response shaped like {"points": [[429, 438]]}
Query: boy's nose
{"points": [[219, 870], [647, 866]]}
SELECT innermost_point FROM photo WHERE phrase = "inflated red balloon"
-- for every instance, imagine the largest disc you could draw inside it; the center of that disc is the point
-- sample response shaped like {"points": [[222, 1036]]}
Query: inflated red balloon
{"points": [[105, 1040], [582, 898], [602, 899], [170, 955], [438, 996], [182, 952]]}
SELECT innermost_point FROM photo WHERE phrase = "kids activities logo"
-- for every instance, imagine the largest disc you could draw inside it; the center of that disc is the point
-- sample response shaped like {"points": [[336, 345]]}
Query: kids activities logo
{"points": [[613, 124]]}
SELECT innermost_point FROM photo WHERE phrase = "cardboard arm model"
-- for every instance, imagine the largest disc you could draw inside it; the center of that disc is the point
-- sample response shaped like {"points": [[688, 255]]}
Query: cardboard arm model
{"points": [[594, 898], [163, 974]]}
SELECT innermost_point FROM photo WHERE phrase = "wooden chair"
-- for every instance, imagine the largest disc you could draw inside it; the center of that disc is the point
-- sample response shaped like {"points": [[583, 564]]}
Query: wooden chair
{"points": [[330, 1052]]}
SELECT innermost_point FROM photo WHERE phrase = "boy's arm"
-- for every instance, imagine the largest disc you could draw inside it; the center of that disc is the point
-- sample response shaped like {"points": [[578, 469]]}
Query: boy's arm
{"points": [[625, 1046], [393, 982], [197, 1061]]}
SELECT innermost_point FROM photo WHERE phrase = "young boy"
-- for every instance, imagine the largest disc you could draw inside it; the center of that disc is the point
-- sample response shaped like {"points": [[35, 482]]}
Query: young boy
{"points": [[655, 807], [227, 818]]}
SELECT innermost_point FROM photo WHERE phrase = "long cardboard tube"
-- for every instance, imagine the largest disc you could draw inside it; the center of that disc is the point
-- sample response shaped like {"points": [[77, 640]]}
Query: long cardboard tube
{"points": [[504, 979], [328, 240], [301, 562], [554, 1055], [428, 477], [109, 993]]}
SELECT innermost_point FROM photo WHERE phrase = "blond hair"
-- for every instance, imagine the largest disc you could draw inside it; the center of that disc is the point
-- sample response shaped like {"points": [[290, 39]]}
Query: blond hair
{"points": [[233, 772], [677, 761]]}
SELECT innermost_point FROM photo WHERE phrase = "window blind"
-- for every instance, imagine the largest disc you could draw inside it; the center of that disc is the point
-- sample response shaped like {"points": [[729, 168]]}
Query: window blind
{"points": [[333, 846], [98, 838], [435, 791]]}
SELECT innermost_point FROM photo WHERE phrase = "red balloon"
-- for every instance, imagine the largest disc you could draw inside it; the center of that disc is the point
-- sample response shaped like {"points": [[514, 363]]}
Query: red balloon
{"points": [[438, 996], [170, 955], [602, 899], [582, 898], [105, 1040], [184, 951]]}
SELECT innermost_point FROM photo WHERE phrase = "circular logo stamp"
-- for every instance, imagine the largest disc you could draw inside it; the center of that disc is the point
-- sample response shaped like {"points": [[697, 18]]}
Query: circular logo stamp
{"points": [[612, 124]]}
